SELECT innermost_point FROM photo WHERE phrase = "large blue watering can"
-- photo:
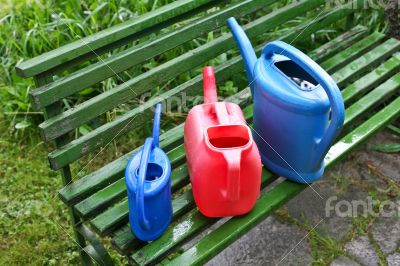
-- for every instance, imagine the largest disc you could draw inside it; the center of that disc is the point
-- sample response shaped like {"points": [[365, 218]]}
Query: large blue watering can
{"points": [[292, 98], [149, 187]]}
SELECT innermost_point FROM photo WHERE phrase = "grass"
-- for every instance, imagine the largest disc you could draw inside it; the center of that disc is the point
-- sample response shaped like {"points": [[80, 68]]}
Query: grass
{"points": [[31, 213]]}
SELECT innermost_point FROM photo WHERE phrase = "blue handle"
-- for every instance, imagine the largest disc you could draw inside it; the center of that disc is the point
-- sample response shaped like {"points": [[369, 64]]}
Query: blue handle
{"points": [[324, 79], [156, 124], [147, 148]]}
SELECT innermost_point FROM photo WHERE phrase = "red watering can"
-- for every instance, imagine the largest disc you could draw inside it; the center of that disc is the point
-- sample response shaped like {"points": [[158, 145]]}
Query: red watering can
{"points": [[223, 160]]}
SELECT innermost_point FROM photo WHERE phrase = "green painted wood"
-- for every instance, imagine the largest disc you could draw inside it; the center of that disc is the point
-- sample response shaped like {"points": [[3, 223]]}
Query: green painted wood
{"points": [[137, 116], [102, 199], [373, 78], [342, 58], [378, 121], [69, 52], [322, 21], [338, 44], [105, 197], [96, 180], [368, 60], [97, 251], [117, 63], [216, 241], [86, 111], [65, 171], [373, 98]]}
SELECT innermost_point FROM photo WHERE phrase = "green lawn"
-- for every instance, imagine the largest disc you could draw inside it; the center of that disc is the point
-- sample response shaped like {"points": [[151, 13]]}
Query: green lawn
{"points": [[31, 213]]}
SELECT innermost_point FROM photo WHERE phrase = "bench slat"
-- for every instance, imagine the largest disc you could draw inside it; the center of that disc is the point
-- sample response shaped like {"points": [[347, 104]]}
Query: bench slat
{"points": [[339, 43], [367, 61], [74, 50], [375, 97], [100, 136], [371, 79], [117, 63], [227, 233], [86, 111], [347, 55]]}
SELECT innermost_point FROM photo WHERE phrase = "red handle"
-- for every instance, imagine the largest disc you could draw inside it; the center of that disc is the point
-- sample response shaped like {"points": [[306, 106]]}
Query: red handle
{"points": [[233, 158], [209, 86]]}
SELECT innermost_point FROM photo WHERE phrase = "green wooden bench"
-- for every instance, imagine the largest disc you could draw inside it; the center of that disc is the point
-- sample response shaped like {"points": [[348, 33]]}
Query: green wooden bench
{"points": [[363, 64]]}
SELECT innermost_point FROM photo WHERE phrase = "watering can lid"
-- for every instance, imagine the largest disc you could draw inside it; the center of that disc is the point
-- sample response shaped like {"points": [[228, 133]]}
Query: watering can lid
{"points": [[286, 92], [151, 187]]}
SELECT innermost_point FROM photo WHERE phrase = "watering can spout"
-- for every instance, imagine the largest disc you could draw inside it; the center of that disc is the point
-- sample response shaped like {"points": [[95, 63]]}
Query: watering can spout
{"points": [[246, 49]]}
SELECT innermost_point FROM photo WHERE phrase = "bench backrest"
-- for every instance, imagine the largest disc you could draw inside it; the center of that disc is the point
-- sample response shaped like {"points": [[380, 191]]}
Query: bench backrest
{"points": [[177, 18]]}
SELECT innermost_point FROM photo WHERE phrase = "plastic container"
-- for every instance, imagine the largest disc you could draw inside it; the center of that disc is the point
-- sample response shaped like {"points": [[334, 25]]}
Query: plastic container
{"points": [[149, 187], [223, 161], [293, 97]]}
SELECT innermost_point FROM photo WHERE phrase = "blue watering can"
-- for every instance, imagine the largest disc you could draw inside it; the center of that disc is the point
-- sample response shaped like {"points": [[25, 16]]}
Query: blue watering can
{"points": [[149, 187], [292, 98]]}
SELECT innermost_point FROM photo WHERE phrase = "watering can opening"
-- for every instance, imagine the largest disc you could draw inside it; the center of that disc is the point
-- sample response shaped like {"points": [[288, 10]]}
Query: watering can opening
{"points": [[153, 173], [228, 136], [297, 74]]}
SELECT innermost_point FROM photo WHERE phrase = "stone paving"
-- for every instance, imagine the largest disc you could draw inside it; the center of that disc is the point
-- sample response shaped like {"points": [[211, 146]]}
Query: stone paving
{"points": [[305, 232]]}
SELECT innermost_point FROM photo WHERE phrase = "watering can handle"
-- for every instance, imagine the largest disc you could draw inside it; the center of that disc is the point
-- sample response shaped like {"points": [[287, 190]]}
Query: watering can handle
{"points": [[324, 79], [233, 158], [147, 148]]}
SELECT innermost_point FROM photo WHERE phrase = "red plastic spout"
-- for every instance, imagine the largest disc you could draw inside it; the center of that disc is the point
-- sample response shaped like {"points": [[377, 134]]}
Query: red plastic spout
{"points": [[209, 85]]}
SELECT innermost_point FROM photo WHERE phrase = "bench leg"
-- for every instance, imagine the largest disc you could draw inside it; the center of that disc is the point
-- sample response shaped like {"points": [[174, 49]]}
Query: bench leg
{"points": [[66, 175], [95, 249]]}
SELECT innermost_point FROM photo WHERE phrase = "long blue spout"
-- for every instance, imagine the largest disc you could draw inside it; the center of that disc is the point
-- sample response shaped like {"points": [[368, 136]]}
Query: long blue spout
{"points": [[246, 49]]}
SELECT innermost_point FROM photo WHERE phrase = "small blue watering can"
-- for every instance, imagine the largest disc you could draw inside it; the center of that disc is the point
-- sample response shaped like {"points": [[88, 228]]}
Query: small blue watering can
{"points": [[292, 98], [149, 187]]}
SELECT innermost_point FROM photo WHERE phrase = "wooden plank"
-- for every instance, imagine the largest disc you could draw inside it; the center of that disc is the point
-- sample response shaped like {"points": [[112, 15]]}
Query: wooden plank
{"points": [[100, 136], [117, 63], [378, 95], [338, 44], [373, 78], [363, 132], [367, 61], [342, 58], [71, 51], [216, 241], [86, 111]]}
